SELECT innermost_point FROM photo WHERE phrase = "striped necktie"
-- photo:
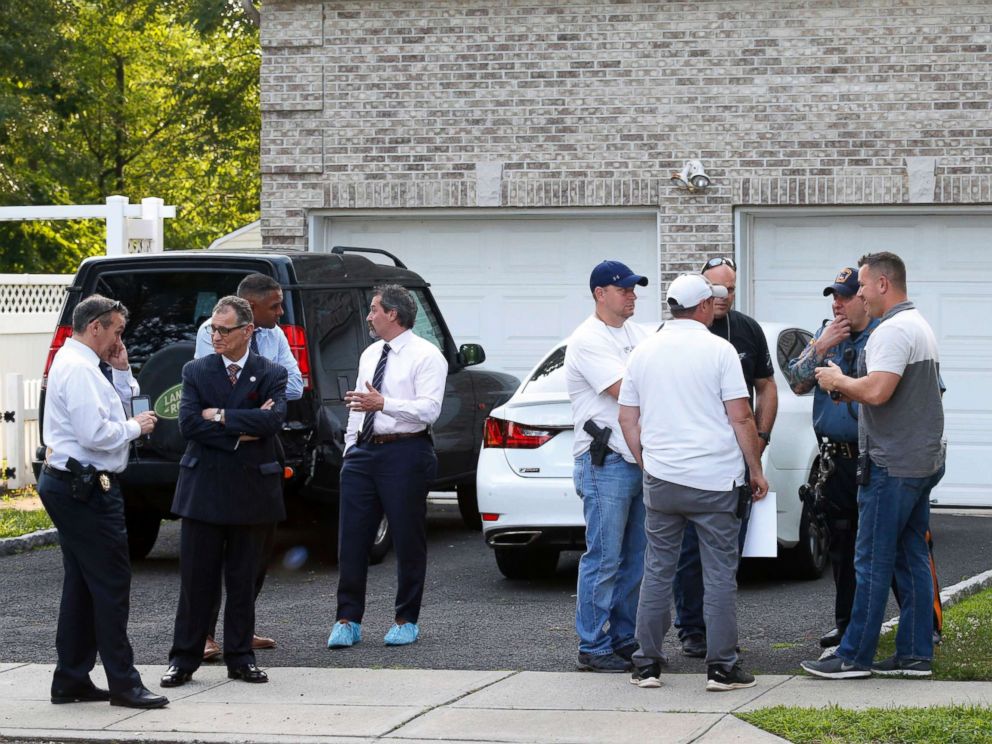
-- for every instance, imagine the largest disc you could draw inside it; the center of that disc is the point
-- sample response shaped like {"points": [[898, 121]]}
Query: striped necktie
{"points": [[380, 374], [232, 373]]}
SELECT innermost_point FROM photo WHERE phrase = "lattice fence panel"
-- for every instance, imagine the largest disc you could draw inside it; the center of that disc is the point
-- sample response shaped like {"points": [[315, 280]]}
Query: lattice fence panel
{"points": [[32, 295]]}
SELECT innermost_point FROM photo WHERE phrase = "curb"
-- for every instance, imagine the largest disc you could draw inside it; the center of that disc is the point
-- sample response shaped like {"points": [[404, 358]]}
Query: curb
{"points": [[952, 595], [39, 539]]}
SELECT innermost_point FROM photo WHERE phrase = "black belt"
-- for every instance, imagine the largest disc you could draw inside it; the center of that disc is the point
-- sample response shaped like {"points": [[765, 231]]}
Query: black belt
{"points": [[847, 450], [387, 438], [65, 475]]}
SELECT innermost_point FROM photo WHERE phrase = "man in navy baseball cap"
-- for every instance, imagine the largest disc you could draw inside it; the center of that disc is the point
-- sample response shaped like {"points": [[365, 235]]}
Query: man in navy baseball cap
{"points": [[846, 283], [614, 273]]}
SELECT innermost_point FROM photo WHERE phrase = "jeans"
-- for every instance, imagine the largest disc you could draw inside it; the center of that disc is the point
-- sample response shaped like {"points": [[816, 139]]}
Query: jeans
{"points": [[893, 516], [610, 570]]}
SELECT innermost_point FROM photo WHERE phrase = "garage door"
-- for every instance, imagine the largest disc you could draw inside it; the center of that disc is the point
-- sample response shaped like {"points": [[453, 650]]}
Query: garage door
{"points": [[517, 285], [949, 263]]}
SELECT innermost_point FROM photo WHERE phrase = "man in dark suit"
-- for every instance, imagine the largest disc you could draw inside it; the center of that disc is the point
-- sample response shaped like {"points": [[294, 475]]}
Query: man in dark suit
{"points": [[229, 491]]}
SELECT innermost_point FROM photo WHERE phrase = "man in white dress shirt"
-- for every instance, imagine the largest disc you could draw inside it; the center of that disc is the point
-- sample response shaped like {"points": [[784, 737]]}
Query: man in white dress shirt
{"points": [[389, 463], [265, 297], [87, 433]]}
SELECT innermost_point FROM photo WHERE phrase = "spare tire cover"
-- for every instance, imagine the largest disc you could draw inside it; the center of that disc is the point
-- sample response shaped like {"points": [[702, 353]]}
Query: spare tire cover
{"points": [[161, 379]]}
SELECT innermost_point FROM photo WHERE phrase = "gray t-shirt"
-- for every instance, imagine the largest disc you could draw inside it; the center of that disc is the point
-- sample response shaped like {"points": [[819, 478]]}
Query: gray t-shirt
{"points": [[904, 434]]}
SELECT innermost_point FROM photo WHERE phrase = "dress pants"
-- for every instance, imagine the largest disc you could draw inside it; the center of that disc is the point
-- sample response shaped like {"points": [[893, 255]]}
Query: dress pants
{"points": [[263, 566], [208, 552], [390, 479], [96, 588]]}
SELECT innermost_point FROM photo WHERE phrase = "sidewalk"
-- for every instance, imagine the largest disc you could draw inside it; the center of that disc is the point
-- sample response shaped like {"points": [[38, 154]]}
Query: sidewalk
{"points": [[360, 706]]}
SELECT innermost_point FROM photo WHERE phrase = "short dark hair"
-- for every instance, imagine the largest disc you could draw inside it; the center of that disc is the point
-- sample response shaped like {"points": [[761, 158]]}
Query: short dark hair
{"points": [[242, 310], [678, 311], [888, 265], [257, 285], [96, 307], [394, 297]]}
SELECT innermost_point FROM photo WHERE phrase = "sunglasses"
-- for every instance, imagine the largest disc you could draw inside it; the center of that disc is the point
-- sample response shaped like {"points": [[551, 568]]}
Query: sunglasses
{"points": [[114, 307], [224, 331], [718, 261]]}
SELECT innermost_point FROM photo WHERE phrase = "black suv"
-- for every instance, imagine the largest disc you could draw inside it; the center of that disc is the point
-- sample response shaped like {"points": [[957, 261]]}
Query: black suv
{"points": [[326, 297]]}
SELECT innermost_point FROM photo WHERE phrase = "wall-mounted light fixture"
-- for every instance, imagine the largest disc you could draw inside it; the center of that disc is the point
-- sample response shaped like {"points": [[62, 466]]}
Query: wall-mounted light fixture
{"points": [[692, 177]]}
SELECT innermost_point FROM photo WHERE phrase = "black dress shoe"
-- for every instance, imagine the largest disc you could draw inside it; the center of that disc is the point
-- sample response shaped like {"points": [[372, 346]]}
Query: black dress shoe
{"points": [[90, 694], [139, 697], [694, 646], [248, 673], [831, 639], [175, 677]]}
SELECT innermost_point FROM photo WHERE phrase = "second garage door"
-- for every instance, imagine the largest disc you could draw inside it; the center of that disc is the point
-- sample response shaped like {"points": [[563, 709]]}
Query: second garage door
{"points": [[516, 284], [948, 256]]}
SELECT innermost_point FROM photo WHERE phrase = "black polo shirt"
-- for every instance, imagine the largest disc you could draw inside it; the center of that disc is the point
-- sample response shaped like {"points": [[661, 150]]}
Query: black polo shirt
{"points": [[747, 337]]}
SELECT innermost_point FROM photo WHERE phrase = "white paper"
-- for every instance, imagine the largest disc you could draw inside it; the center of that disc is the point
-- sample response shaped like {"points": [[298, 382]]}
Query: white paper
{"points": [[762, 529]]}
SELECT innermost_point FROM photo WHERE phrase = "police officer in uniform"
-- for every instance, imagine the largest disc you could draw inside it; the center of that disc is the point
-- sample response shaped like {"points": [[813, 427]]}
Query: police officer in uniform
{"points": [[840, 341], [87, 433]]}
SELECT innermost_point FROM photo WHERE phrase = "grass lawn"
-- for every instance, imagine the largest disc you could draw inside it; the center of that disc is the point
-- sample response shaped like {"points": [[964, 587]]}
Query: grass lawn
{"points": [[21, 514], [965, 654]]}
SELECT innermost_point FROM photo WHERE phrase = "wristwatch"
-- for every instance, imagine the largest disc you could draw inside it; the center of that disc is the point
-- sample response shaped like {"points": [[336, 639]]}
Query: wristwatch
{"points": [[766, 436], [219, 416]]}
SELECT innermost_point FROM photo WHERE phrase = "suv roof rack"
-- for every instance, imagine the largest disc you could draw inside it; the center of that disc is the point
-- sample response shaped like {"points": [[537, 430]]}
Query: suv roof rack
{"points": [[341, 249]]}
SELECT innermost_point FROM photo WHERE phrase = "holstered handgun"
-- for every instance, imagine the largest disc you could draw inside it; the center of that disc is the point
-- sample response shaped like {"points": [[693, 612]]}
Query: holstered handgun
{"points": [[600, 446], [84, 479]]}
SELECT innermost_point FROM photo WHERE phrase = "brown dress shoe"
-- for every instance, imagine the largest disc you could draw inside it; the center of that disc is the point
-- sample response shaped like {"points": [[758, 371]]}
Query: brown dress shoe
{"points": [[211, 649], [258, 642]]}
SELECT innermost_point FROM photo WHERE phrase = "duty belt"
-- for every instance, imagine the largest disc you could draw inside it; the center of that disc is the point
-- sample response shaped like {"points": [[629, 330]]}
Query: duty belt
{"points": [[846, 450]]}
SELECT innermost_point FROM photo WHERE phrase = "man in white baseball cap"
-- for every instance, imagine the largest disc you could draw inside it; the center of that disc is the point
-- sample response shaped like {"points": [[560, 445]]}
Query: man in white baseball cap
{"points": [[686, 416]]}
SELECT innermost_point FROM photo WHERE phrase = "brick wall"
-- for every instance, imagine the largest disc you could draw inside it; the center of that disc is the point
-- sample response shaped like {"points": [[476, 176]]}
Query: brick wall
{"points": [[390, 104]]}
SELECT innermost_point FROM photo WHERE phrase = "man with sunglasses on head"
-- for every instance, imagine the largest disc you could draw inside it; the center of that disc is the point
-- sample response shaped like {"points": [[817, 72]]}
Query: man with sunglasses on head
{"points": [[87, 434], [746, 336], [229, 492], [840, 341], [265, 297]]}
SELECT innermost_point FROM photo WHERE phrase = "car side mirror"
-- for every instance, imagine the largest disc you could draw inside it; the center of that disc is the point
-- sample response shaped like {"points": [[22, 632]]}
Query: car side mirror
{"points": [[471, 354]]}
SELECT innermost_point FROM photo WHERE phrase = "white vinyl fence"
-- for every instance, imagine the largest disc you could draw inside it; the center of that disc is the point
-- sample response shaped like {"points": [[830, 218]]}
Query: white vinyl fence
{"points": [[19, 434], [29, 312]]}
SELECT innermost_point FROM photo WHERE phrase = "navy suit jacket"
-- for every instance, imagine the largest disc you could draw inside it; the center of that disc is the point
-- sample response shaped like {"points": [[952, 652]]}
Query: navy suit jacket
{"points": [[222, 480]]}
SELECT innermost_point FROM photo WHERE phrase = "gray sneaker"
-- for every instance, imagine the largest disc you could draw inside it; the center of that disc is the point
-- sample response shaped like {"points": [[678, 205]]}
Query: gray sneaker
{"points": [[834, 667], [607, 663], [893, 667]]}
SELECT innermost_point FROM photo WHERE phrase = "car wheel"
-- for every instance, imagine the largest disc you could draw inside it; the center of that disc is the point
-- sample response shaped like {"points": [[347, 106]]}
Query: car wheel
{"points": [[526, 563], [809, 558], [142, 532], [382, 544], [468, 506]]}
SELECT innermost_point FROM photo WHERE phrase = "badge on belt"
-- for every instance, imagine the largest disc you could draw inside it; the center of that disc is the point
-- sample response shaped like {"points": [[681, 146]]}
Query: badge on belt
{"points": [[105, 482]]}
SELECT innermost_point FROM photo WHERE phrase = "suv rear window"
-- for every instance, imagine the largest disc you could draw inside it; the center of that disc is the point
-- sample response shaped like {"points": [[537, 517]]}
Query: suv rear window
{"points": [[165, 306]]}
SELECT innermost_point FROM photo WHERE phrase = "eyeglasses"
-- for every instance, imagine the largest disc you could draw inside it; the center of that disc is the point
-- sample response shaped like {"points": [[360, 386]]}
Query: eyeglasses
{"points": [[222, 330], [718, 261], [114, 307]]}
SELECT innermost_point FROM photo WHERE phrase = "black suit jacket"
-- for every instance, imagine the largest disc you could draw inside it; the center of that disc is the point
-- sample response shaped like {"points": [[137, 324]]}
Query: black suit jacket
{"points": [[222, 480]]}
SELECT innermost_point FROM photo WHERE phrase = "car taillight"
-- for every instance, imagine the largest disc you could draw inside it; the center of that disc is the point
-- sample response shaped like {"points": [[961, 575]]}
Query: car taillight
{"points": [[297, 338], [58, 340], [511, 435]]}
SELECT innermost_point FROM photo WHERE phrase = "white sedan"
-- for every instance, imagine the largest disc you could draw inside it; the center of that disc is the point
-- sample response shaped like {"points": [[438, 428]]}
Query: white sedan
{"points": [[531, 512]]}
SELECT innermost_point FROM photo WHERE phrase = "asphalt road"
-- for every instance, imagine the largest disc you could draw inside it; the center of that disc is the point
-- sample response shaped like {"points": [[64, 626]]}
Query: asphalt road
{"points": [[472, 617]]}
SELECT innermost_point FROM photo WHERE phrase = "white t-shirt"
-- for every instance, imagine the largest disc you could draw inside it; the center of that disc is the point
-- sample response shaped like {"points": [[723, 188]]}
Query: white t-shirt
{"points": [[680, 379], [595, 358]]}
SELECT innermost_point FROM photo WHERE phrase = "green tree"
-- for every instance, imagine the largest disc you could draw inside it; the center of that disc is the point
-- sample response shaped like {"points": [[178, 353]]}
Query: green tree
{"points": [[132, 97]]}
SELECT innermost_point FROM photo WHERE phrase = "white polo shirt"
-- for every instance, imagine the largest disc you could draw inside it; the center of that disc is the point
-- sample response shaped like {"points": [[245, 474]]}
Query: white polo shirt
{"points": [[596, 358], [680, 378]]}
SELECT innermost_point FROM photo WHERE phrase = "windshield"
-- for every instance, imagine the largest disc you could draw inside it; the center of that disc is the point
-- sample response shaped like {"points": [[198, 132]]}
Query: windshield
{"points": [[549, 377]]}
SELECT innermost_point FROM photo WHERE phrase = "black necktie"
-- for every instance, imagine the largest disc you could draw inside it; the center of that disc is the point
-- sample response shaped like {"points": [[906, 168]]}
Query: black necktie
{"points": [[377, 378], [254, 341]]}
